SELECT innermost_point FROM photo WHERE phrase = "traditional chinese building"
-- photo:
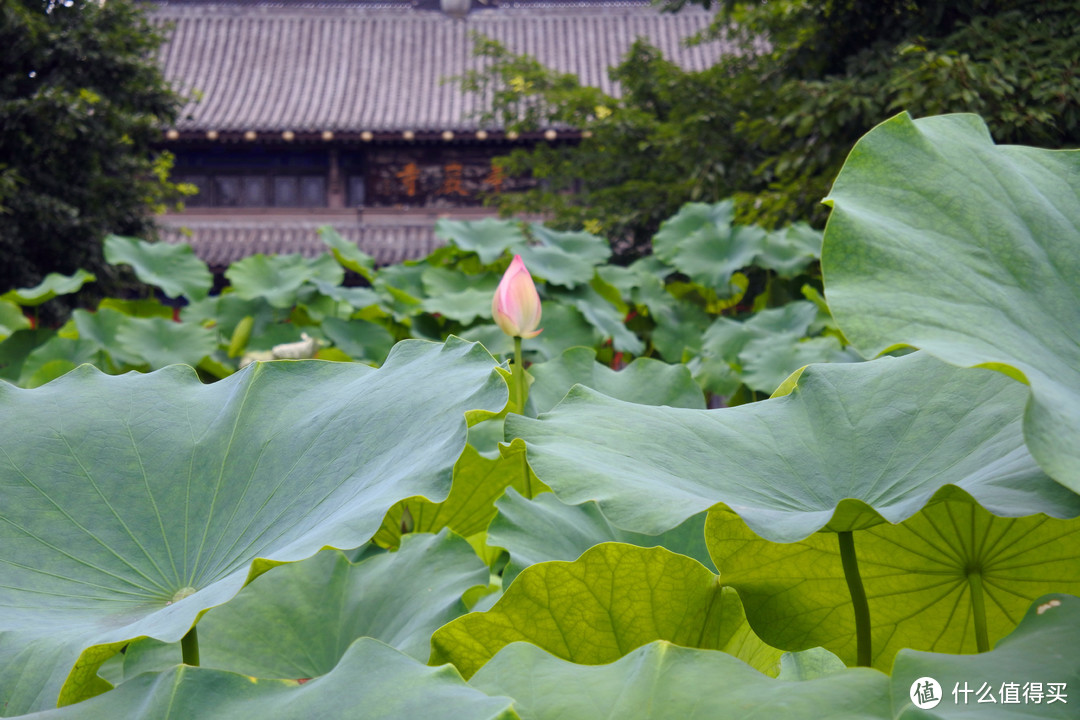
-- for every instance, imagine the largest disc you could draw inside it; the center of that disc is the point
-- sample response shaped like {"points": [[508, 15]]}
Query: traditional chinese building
{"points": [[339, 112]]}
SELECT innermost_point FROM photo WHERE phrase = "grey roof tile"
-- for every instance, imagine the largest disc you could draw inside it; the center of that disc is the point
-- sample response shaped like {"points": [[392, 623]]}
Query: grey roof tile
{"points": [[220, 243], [349, 68]]}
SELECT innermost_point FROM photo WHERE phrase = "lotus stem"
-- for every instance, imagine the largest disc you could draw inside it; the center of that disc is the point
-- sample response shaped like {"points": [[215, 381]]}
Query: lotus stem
{"points": [[189, 646], [978, 608], [520, 394], [519, 377], [858, 597]]}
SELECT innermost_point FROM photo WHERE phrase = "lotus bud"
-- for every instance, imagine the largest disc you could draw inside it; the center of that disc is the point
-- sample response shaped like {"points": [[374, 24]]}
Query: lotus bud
{"points": [[516, 305]]}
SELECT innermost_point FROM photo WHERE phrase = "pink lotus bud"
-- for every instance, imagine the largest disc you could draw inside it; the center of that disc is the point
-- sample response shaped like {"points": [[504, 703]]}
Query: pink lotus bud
{"points": [[516, 305]]}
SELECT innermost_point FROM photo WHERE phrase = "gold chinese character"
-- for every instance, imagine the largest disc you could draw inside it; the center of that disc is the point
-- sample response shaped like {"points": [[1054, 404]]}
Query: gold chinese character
{"points": [[452, 180], [409, 176], [495, 178]]}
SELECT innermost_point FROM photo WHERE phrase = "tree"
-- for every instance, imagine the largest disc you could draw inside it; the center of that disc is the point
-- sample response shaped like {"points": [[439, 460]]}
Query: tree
{"points": [[82, 103], [772, 125]]}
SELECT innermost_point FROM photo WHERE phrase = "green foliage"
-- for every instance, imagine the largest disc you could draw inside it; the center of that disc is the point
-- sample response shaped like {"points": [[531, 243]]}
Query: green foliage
{"points": [[905, 513], [290, 306], [913, 425], [161, 497], [82, 104], [919, 175], [612, 599], [772, 123]]}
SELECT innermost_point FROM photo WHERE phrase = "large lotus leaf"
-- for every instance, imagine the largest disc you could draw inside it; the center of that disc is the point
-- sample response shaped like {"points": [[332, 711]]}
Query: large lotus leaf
{"points": [[172, 267], [612, 599], [790, 250], [133, 503], [457, 296], [645, 381], [885, 434], [543, 529], [297, 620], [372, 682], [661, 681], [11, 319], [942, 240], [160, 342], [279, 278], [347, 253], [489, 238], [1013, 681], [54, 284], [470, 506], [917, 575]]}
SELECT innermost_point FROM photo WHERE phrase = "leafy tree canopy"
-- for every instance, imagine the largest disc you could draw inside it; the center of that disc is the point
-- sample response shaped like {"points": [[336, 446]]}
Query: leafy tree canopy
{"points": [[82, 100], [772, 124]]}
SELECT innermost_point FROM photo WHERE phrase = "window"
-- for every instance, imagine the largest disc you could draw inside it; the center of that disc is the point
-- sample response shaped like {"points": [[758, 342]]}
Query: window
{"points": [[254, 178]]}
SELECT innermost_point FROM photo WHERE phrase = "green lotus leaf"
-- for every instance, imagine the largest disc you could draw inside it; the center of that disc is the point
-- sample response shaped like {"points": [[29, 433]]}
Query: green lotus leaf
{"points": [[133, 503], [718, 364], [11, 319], [679, 326], [101, 328], [457, 296], [143, 307], [645, 381], [15, 349], [601, 314], [57, 356], [568, 259], [767, 362], [1013, 680], [612, 599], [372, 681], [355, 297], [942, 240], [279, 278], [172, 267], [919, 576], [360, 340], [592, 249], [54, 284], [665, 681], [225, 311], [348, 254], [160, 342], [297, 620], [488, 238], [852, 445], [543, 529], [790, 250], [470, 506], [700, 242]]}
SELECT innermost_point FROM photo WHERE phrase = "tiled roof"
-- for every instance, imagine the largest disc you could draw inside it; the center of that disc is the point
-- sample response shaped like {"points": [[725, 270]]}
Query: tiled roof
{"points": [[220, 243], [341, 67]]}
